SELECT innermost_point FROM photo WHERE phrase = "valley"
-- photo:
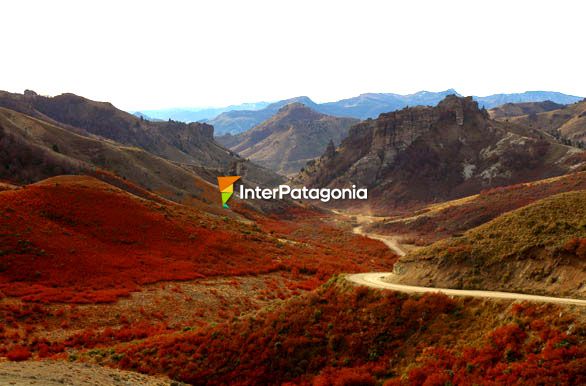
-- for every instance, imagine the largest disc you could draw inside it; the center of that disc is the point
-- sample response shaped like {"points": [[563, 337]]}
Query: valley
{"points": [[117, 260], [257, 193]]}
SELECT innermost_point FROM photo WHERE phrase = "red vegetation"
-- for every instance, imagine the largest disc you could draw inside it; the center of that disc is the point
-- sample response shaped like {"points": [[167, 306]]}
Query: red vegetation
{"points": [[355, 336], [576, 246], [76, 239], [344, 377], [354, 328], [18, 354], [529, 353]]}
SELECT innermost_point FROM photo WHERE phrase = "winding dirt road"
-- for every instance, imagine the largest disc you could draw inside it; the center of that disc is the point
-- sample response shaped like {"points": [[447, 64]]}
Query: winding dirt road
{"points": [[383, 280]]}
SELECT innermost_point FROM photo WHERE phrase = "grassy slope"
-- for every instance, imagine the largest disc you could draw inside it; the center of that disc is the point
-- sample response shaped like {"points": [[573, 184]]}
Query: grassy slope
{"points": [[529, 249], [455, 217]]}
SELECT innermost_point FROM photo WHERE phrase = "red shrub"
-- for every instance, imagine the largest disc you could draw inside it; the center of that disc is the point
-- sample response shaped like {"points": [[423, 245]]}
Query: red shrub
{"points": [[18, 354]]}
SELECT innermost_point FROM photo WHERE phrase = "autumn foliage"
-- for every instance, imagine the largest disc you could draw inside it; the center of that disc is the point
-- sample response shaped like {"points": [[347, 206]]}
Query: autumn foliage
{"points": [[529, 351], [76, 239], [18, 354], [321, 331]]}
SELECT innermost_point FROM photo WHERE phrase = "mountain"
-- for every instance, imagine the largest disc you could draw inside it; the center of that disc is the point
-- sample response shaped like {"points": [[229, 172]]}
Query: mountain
{"points": [[290, 138], [540, 248], [495, 100], [234, 122], [428, 154], [371, 105], [197, 114], [567, 123], [509, 110], [144, 116], [190, 145], [361, 107]]}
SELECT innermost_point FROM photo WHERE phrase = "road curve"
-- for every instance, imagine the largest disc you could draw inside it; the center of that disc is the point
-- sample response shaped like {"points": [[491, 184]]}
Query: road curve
{"points": [[389, 241], [375, 280]]}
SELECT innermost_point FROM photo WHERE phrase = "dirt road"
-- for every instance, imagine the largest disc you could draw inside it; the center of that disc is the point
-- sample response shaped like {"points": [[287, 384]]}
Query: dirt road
{"points": [[390, 241], [384, 280], [362, 220]]}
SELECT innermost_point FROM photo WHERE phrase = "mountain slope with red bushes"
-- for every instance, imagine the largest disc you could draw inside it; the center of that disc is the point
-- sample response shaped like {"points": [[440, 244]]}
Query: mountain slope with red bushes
{"points": [[77, 239], [343, 335]]}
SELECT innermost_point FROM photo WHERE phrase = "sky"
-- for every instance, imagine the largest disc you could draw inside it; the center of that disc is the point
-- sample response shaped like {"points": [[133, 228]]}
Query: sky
{"points": [[160, 54]]}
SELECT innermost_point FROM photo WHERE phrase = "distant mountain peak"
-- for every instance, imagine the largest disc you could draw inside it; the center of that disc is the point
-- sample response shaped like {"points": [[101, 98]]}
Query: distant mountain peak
{"points": [[287, 140], [295, 106]]}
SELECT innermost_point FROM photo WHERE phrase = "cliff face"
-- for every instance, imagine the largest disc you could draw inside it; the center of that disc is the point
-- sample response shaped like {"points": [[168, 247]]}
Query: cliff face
{"points": [[293, 136], [426, 154]]}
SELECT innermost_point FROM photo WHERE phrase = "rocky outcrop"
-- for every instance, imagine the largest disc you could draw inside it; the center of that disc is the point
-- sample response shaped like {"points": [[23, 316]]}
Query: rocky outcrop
{"points": [[428, 154]]}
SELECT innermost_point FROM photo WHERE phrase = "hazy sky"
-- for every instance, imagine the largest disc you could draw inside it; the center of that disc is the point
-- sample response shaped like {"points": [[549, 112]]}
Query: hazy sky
{"points": [[155, 54]]}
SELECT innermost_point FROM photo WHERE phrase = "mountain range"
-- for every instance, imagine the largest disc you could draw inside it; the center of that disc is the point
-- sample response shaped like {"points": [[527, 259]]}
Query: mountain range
{"points": [[187, 114], [364, 106]]}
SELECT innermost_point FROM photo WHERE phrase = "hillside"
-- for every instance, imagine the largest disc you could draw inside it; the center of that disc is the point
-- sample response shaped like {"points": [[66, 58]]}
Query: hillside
{"points": [[452, 218], [290, 138], [190, 144], [340, 335], [567, 123], [509, 110], [540, 248], [32, 150], [422, 155], [77, 239]]}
